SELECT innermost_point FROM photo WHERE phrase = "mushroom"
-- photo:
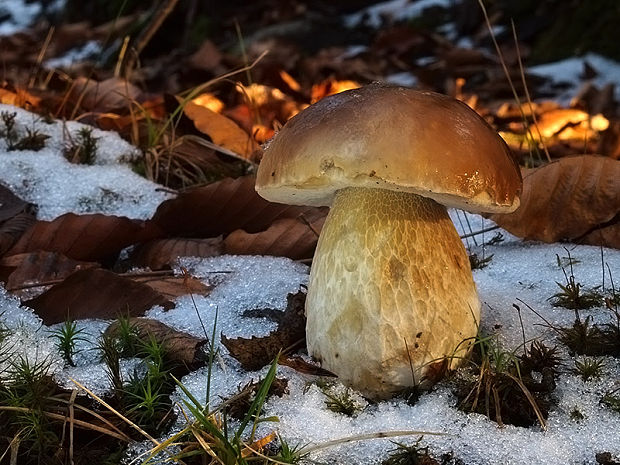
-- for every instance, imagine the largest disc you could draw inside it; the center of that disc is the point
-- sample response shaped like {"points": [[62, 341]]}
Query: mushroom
{"points": [[391, 289]]}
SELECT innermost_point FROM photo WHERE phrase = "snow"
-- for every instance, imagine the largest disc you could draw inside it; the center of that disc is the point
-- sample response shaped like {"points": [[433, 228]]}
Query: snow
{"points": [[18, 14], [568, 73], [90, 49], [397, 10], [57, 186]]}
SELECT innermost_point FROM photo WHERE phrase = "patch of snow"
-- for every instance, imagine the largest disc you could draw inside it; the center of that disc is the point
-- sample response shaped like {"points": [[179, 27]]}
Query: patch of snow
{"points": [[352, 51], [397, 10], [90, 49], [242, 283], [16, 15], [405, 79], [568, 72], [57, 186]]}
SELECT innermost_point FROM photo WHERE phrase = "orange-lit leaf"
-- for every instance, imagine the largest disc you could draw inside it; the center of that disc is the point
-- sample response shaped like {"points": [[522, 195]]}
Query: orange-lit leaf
{"points": [[331, 87], [222, 130], [567, 199]]}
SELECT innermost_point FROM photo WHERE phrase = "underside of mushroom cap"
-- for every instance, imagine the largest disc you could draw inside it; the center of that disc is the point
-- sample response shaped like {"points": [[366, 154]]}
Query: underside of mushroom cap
{"points": [[390, 138]]}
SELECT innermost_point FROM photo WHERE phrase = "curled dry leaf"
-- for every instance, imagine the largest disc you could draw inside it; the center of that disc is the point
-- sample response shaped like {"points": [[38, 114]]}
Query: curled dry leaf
{"points": [[179, 347], [11, 230], [105, 96], [86, 237], [162, 253], [256, 352], [568, 199], [40, 267], [222, 207], [294, 238], [10, 204], [95, 293], [172, 286], [222, 130]]}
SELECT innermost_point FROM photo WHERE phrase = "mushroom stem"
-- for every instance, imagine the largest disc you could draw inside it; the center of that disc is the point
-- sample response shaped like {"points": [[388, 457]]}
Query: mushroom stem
{"points": [[389, 272]]}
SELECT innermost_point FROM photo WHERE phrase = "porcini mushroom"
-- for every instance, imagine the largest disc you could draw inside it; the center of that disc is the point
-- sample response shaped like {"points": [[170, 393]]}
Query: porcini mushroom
{"points": [[390, 287]]}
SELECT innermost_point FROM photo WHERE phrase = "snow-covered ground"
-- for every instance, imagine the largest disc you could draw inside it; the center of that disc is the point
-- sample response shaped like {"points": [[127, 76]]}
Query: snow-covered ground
{"points": [[46, 178], [518, 270]]}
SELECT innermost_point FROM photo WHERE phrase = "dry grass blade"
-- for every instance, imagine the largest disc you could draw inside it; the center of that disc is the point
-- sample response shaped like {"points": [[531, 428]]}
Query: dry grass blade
{"points": [[531, 400], [113, 410], [506, 72], [78, 423]]}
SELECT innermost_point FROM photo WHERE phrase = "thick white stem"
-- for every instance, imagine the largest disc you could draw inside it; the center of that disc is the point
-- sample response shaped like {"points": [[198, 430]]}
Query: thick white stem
{"points": [[390, 273]]}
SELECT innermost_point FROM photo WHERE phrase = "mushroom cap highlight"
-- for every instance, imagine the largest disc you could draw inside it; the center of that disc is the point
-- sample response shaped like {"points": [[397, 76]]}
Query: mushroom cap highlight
{"points": [[391, 138]]}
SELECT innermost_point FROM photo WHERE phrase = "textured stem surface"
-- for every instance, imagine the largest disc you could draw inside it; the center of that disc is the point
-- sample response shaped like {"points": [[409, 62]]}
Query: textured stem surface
{"points": [[389, 272]]}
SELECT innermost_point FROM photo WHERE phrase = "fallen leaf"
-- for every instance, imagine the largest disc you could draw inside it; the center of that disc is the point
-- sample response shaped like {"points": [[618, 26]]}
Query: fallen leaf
{"points": [[95, 293], [331, 87], [302, 366], [105, 96], [568, 123], [288, 237], [162, 253], [13, 229], [222, 207], [256, 352], [173, 286], [10, 204], [566, 200], [20, 98], [178, 346], [96, 238], [40, 267], [222, 130]]}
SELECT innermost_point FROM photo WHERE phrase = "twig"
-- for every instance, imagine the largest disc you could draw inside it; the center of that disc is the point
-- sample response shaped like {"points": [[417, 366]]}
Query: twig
{"points": [[367, 436]]}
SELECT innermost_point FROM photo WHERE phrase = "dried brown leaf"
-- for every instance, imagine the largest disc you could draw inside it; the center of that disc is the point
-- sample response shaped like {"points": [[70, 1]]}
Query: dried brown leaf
{"points": [[95, 293], [179, 347], [289, 237], [162, 253], [105, 96], [40, 267], [220, 208], [566, 200], [10, 204], [173, 286], [86, 237], [222, 130], [302, 366], [12, 229], [256, 352]]}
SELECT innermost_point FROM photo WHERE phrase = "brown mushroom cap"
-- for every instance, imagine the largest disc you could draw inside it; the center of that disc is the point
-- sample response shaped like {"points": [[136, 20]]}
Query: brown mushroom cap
{"points": [[390, 138]]}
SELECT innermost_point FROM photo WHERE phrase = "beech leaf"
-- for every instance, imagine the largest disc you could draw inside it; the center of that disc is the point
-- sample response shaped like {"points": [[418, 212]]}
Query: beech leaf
{"points": [[222, 130], [289, 237], [94, 237], [162, 253], [179, 347], [221, 208], [256, 352], [95, 293], [567, 200], [40, 267]]}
